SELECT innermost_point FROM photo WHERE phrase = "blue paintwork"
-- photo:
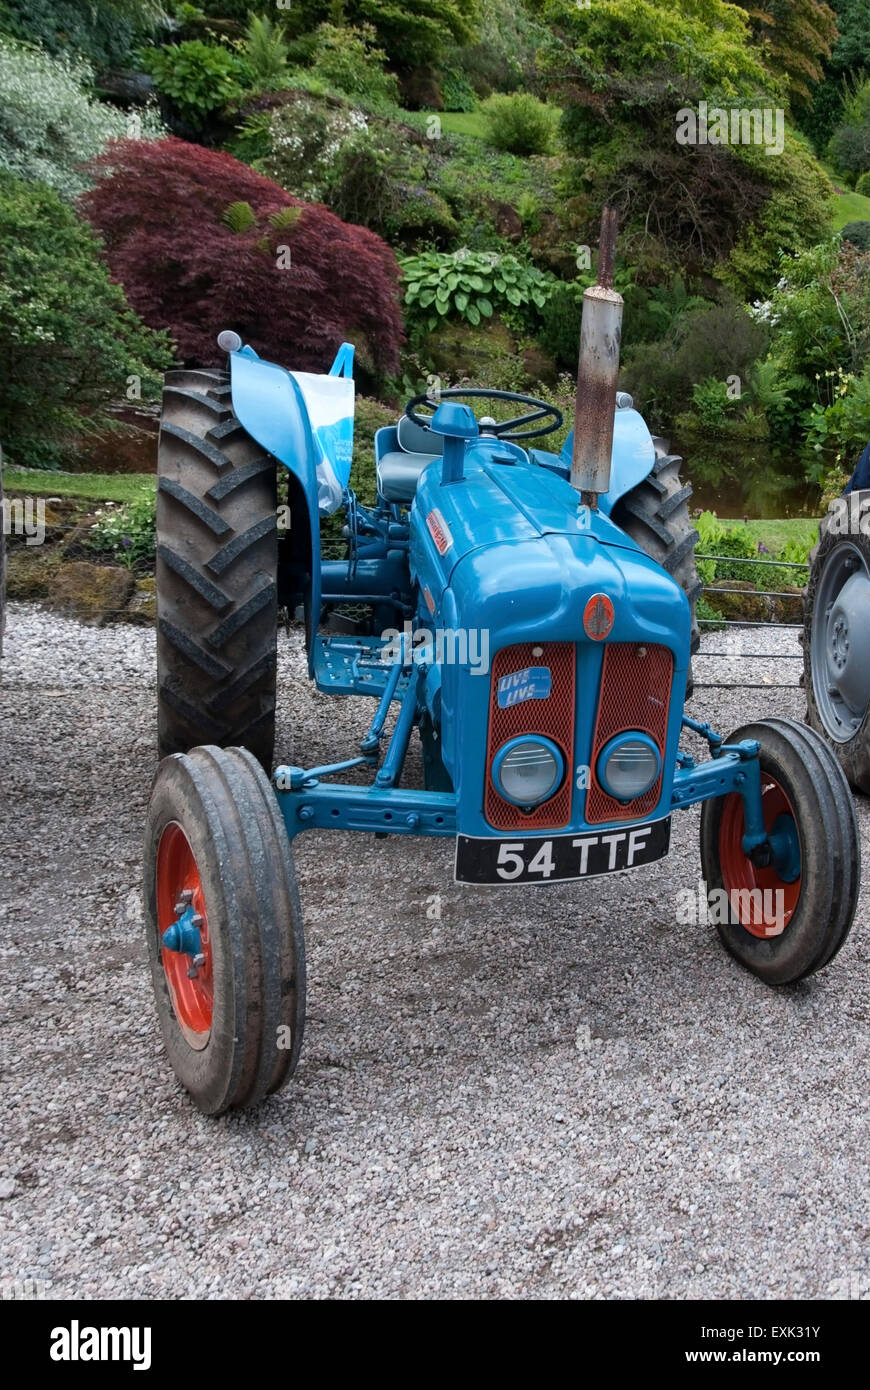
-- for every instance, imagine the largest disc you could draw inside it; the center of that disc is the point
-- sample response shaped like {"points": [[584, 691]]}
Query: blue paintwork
{"points": [[183, 935], [632, 457], [496, 542], [269, 404], [786, 848]]}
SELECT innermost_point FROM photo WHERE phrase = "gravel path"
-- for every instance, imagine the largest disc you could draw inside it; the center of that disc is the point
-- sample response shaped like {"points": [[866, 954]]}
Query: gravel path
{"points": [[547, 1092]]}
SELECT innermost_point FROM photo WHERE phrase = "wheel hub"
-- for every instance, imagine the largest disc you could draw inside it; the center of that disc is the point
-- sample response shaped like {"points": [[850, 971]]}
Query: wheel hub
{"points": [[185, 946]]}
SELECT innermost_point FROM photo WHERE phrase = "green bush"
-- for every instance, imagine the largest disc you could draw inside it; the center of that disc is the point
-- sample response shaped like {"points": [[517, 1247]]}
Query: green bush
{"points": [[348, 60], [96, 31], [264, 54], [457, 92], [126, 532], [198, 78], [469, 285], [304, 137], [716, 537], [862, 185], [520, 123], [858, 233], [48, 124], [68, 341]]}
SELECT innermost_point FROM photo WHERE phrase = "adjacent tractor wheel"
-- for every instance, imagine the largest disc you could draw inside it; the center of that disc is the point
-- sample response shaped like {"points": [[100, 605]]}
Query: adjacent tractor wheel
{"points": [[224, 928], [837, 650], [217, 563], [789, 918], [656, 515]]}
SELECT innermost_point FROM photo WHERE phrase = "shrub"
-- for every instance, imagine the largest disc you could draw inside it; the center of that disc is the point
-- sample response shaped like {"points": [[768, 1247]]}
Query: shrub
{"points": [[849, 147], [96, 31], [350, 61], [470, 285], [304, 138], [457, 93], [198, 78], [48, 124], [68, 341], [862, 185], [520, 123], [858, 233], [264, 53], [126, 532], [292, 279]]}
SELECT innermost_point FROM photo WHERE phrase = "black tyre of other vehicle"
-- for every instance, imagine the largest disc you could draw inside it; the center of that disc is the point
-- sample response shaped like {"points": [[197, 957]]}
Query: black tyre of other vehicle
{"points": [[220, 806], [800, 775], [217, 562], [836, 643]]}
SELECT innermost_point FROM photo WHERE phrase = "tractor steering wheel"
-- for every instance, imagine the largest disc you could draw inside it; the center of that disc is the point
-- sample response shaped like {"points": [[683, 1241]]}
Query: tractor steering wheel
{"points": [[503, 429]]}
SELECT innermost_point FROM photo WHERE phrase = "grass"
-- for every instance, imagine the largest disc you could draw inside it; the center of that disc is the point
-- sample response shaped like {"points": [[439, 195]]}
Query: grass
{"points": [[461, 122], [91, 487], [775, 534], [849, 206]]}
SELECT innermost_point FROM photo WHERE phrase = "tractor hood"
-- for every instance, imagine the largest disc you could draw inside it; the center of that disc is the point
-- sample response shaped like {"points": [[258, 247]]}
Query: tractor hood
{"points": [[502, 498], [510, 548]]}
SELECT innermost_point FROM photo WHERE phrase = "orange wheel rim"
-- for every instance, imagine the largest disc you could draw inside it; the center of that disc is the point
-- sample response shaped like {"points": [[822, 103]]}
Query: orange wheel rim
{"points": [[741, 876], [192, 994]]}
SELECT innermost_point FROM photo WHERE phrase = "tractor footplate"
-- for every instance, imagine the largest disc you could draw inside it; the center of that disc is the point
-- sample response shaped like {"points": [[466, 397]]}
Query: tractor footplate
{"points": [[354, 666]]}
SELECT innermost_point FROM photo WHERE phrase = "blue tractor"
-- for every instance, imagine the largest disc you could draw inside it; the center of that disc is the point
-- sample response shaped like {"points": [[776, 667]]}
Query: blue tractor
{"points": [[529, 614]]}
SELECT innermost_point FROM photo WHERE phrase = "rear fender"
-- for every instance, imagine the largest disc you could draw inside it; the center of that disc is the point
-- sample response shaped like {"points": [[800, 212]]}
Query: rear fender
{"points": [[632, 458], [269, 404]]}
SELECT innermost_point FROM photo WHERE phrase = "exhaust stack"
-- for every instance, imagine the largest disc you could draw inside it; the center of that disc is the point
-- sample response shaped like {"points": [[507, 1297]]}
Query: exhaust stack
{"points": [[597, 373]]}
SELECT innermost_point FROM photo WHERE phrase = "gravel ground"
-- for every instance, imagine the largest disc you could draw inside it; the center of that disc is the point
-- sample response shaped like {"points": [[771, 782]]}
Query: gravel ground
{"points": [[553, 1092]]}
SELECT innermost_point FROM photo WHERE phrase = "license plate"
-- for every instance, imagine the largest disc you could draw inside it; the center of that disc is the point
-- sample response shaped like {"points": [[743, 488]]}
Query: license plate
{"points": [[578, 855]]}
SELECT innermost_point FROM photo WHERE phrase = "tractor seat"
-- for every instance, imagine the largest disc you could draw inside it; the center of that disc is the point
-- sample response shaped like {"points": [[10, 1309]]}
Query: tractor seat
{"points": [[399, 471]]}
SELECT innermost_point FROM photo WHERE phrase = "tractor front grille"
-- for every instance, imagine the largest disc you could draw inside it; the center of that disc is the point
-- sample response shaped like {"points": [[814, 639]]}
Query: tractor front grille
{"points": [[551, 718], [635, 694]]}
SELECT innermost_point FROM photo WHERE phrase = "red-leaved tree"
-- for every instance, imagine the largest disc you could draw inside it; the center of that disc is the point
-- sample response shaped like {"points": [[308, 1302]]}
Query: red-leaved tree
{"points": [[201, 242]]}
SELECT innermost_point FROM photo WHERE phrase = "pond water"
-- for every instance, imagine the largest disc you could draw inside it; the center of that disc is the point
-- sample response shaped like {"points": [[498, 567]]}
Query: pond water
{"points": [[745, 479]]}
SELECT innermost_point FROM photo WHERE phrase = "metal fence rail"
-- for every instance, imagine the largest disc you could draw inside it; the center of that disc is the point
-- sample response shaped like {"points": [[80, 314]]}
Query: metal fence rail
{"points": [[771, 623]]}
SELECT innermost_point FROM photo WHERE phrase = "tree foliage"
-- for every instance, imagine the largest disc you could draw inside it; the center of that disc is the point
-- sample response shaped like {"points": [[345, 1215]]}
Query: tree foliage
{"points": [[201, 242], [68, 340], [411, 31], [797, 36], [49, 124]]}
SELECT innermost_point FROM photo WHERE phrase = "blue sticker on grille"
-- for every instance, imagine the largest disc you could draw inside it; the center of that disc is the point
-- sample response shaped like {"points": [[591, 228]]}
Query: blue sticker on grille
{"points": [[534, 683]]}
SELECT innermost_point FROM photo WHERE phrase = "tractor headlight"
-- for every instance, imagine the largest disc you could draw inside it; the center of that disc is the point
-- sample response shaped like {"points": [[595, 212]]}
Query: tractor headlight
{"points": [[628, 766], [527, 771]]}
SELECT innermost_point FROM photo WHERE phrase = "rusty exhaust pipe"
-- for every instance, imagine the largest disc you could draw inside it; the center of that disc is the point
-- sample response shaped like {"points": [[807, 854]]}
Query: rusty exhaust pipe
{"points": [[597, 373]]}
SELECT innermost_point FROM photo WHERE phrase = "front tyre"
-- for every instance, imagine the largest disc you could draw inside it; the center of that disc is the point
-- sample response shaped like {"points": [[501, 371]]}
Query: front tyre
{"points": [[224, 928], [814, 869]]}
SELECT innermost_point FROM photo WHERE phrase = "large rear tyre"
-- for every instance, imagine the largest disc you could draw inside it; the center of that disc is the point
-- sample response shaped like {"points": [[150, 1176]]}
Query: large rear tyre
{"points": [[217, 566], [814, 861], [224, 928], [656, 515], [836, 643]]}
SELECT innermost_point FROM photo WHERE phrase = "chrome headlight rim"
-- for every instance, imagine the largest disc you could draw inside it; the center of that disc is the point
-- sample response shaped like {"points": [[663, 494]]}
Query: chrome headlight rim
{"points": [[528, 741], [612, 746]]}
